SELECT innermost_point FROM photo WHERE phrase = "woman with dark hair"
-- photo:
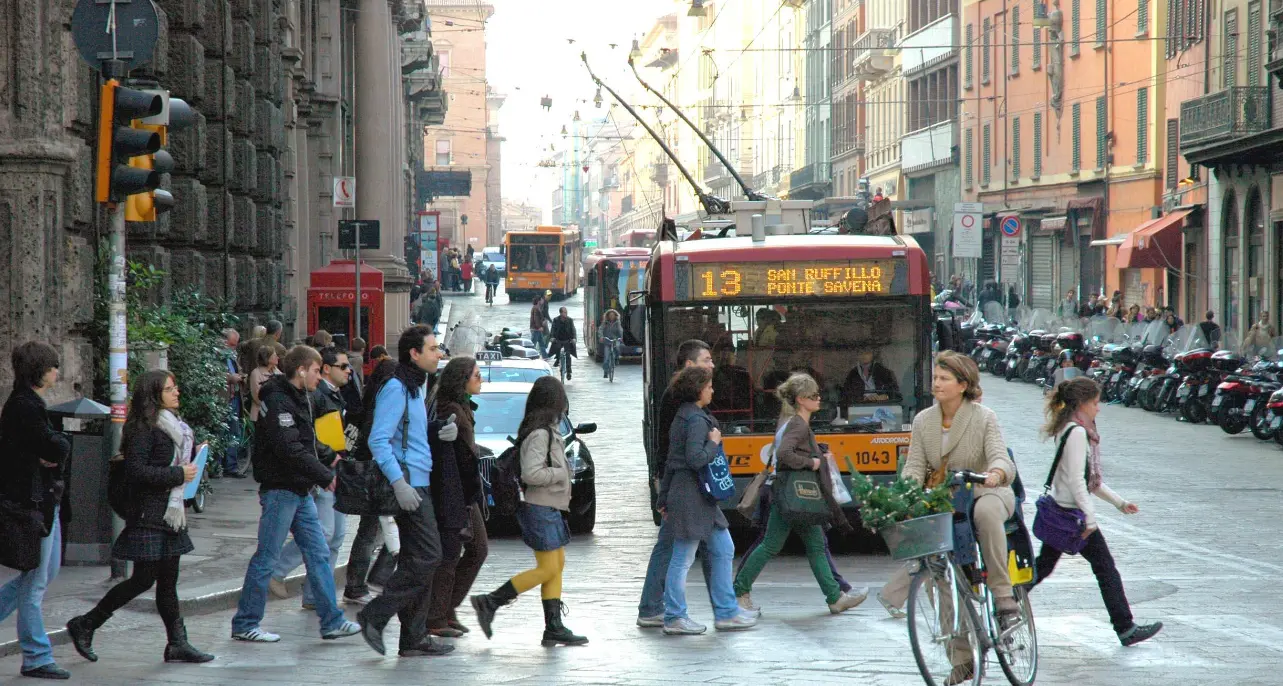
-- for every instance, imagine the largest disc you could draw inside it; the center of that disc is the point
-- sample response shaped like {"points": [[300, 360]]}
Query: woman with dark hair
{"points": [[694, 440], [457, 498], [1071, 419], [546, 476], [158, 449], [33, 459], [266, 358]]}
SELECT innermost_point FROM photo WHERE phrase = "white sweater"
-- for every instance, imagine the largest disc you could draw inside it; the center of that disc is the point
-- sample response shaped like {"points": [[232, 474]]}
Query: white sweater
{"points": [[1069, 487]]}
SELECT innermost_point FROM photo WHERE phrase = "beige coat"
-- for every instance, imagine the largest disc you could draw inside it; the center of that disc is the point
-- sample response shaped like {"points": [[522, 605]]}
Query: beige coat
{"points": [[546, 484], [975, 443]]}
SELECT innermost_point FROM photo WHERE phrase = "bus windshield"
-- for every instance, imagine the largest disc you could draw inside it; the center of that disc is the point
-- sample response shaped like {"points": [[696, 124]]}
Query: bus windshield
{"points": [[865, 355], [535, 253]]}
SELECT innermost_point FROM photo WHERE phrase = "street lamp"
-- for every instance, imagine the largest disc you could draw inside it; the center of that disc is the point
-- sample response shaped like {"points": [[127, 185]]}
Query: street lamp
{"points": [[697, 9], [636, 52]]}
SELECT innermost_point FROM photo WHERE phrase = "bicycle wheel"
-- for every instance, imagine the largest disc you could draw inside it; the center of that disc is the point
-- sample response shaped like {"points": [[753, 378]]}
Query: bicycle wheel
{"points": [[561, 364], [612, 359], [939, 644], [1017, 647]]}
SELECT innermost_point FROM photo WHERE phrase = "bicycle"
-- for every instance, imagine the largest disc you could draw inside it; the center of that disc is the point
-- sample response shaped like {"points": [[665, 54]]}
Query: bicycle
{"points": [[610, 357], [943, 640], [563, 361], [490, 288]]}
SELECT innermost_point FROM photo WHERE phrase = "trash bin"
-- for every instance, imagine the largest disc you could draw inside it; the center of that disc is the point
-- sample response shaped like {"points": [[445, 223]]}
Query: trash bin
{"points": [[87, 536]]}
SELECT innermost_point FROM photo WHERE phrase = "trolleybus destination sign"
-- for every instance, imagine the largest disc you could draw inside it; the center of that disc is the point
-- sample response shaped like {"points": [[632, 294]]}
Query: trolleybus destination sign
{"points": [[782, 279]]}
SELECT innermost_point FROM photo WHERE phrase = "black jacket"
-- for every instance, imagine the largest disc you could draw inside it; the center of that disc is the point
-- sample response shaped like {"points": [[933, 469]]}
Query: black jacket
{"points": [[353, 405], [465, 446], [26, 438], [668, 406], [285, 454], [884, 382], [324, 401], [149, 454], [563, 336]]}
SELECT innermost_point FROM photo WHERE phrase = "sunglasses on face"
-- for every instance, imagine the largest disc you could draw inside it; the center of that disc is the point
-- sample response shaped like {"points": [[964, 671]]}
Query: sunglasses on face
{"points": [[813, 396], [345, 366]]}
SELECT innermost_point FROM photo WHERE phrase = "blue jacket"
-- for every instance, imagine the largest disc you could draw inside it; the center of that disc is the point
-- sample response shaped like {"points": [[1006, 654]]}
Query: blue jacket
{"points": [[386, 434]]}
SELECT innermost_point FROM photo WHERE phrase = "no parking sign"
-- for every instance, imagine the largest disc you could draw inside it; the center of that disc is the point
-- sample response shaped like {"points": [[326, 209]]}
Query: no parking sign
{"points": [[1010, 226]]}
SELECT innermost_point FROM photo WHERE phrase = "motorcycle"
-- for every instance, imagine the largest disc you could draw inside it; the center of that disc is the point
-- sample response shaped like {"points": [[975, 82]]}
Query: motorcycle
{"points": [[1189, 354]]}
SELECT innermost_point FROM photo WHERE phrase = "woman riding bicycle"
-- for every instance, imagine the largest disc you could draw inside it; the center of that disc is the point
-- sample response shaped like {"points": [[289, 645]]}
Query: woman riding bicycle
{"points": [[609, 336], [958, 433]]}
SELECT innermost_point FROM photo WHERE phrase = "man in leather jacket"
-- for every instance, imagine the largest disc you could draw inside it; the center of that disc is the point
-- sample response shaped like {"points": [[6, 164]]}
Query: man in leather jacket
{"points": [[563, 336]]}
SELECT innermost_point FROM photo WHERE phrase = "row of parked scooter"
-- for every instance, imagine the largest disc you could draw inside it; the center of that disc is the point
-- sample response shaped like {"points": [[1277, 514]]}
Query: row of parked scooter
{"points": [[1217, 381]]}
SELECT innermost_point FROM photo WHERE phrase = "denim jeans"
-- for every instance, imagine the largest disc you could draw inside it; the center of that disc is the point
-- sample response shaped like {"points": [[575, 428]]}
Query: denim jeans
{"points": [[720, 550], [540, 341], [235, 431], [26, 593], [652, 598], [285, 512], [333, 524]]}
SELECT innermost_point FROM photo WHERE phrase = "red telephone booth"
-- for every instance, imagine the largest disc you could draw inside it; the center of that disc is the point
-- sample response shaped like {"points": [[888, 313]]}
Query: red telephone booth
{"points": [[331, 299]]}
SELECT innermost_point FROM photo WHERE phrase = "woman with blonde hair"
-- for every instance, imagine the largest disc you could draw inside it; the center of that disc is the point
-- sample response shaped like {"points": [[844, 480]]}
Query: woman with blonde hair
{"points": [[796, 449]]}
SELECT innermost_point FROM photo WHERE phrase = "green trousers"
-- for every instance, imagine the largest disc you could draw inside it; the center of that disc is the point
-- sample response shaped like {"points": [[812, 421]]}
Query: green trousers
{"points": [[777, 533]]}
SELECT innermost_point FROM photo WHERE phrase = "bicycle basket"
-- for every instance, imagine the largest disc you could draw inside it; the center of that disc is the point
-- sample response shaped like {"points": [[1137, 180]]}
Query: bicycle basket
{"points": [[920, 537]]}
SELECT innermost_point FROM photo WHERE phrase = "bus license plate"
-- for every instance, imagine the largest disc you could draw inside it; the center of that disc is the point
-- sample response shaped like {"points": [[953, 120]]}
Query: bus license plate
{"points": [[1247, 406]]}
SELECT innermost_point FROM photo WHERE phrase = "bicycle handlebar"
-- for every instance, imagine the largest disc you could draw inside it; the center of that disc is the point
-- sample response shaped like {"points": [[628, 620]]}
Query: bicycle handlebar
{"points": [[967, 476]]}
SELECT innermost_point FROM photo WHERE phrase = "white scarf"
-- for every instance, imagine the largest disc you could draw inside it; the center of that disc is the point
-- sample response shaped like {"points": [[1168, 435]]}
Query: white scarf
{"points": [[184, 440]]}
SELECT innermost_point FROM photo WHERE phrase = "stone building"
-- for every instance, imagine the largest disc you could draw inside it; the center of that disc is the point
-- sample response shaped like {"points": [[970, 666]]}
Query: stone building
{"points": [[277, 86]]}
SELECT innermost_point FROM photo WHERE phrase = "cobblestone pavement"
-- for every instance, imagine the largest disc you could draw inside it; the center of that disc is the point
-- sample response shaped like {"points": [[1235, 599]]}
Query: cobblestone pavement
{"points": [[1199, 557]]}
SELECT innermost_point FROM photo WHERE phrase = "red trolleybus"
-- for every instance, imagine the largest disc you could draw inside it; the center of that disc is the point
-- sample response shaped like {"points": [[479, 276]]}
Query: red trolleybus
{"points": [[637, 238], [852, 311], [610, 274]]}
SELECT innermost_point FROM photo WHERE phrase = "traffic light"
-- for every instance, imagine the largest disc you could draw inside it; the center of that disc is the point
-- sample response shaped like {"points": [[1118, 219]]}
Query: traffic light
{"points": [[175, 113], [119, 143]]}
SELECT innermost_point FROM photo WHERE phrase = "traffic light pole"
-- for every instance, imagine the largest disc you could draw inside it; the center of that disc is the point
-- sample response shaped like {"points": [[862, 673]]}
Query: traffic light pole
{"points": [[356, 333], [117, 357]]}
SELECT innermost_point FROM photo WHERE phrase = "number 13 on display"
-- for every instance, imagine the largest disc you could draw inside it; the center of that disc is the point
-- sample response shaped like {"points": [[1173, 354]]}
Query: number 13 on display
{"points": [[730, 283]]}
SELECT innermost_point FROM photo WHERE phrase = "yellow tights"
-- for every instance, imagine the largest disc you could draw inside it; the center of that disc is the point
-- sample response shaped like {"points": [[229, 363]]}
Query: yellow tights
{"points": [[547, 574]]}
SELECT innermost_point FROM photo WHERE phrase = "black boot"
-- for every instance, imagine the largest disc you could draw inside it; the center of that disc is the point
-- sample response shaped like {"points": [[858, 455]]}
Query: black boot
{"points": [[554, 631], [487, 604], [81, 629], [178, 649]]}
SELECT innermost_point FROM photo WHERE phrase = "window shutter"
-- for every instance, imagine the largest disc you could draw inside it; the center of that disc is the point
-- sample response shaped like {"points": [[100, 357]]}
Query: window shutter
{"points": [[967, 56], [1254, 44], [1073, 27], [985, 157], [1015, 148], [984, 55], [1101, 148], [1037, 145], [1173, 19], [1076, 161], [1142, 125], [1100, 23], [968, 144], [1036, 63], [1229, 58], [1173, 152], [1015, 39], [1142, 16]]}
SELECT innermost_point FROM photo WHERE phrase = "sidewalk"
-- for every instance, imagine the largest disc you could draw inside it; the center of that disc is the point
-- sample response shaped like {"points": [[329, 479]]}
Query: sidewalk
{"points": [[225, 535]]}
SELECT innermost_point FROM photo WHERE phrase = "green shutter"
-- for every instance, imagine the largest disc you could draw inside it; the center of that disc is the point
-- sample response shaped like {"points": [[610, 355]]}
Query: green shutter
{"points": [[1076, 163], [1073, 27], [1015, 39], [984, 55], [1142, 125], [1036, 63], [1037, 145], [1173, 152], [985, 156], [1101, 148], [1254, 44], [1100, 22], [968, 144], [967, 56], [1229, 57], [1142, 16], [1015, 148]]}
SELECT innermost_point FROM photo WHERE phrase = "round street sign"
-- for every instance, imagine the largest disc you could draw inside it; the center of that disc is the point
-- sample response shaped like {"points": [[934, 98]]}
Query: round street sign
{"points": [[968, 221], [133, 24], [1010, 226]]}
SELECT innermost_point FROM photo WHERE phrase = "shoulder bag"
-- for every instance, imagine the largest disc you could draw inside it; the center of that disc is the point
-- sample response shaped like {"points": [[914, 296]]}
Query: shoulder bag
{"points": [[753, 491], [1055, 525], [799, 495], [362, 488]]}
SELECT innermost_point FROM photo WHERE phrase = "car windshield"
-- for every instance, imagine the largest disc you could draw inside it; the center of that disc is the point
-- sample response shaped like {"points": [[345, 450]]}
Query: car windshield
{"points": [[517, 374], [501, 413]]}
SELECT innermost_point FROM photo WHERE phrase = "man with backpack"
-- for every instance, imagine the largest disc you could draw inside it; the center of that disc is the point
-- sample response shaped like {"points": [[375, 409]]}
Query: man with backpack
{"points": [[399, 443]]}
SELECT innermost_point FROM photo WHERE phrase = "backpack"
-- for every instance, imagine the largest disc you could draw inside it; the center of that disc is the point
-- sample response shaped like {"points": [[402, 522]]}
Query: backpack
{"points": [[501, 479]]}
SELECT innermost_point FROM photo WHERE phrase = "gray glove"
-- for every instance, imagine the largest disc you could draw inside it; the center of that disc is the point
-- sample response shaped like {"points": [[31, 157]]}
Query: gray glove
{"points": [[408, 498], [449, 431]]}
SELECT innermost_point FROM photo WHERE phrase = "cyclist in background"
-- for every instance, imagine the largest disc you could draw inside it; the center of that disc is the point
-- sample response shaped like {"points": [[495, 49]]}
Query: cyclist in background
{"points": [[563, 338], [491, 278], [613, 329]]}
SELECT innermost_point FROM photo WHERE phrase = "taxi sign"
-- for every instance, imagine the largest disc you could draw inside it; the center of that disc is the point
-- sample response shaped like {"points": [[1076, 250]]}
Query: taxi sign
{"points": [[489, 356]]}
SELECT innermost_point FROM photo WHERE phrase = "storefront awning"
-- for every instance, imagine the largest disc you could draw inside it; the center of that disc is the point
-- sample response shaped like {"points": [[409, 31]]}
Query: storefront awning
{"points": [[1156, 244]]}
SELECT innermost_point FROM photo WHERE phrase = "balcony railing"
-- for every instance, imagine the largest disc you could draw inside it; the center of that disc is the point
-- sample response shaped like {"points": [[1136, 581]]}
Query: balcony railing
{"points": [[849, 144], [1229, 113], [714, 170], [811, 174], [872, 54]]}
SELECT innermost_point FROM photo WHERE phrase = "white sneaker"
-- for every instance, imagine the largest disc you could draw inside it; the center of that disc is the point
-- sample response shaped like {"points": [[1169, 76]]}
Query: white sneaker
{"points": [[651, 622], [347, 628], [746, 604], [684, 626], [739, 622], [256, 636], [849, 600]]}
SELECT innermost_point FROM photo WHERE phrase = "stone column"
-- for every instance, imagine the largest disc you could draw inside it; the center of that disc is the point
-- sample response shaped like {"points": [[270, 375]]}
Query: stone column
{"points": [[378, 142]]}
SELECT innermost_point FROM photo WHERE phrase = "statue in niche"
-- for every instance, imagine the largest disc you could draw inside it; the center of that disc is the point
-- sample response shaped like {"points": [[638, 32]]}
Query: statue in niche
{"points": [[1056, 56]]}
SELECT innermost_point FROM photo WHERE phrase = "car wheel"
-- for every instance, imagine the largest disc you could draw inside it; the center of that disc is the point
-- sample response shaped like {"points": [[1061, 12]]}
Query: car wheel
{"points": [[584, 523]]}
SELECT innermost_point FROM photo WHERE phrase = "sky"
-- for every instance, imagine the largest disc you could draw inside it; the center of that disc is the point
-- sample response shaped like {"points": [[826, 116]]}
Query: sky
{"points": [[529, 56]]}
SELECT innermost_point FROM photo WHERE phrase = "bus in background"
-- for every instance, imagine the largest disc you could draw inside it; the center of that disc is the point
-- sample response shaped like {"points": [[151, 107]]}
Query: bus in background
{"points": [[610, 274], [546, 259], [854, 312], [637, 238]]}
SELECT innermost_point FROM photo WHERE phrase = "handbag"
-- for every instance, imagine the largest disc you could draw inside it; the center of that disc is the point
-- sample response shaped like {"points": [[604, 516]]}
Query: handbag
{"points": [[24, 528], [1055, 525], [362, 488], [800, 497], [715, 480], [753, 492]]}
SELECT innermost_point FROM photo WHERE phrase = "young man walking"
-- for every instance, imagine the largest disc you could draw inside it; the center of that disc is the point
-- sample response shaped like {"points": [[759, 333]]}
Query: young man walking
{"points": [[287, 468], [399, 444]]}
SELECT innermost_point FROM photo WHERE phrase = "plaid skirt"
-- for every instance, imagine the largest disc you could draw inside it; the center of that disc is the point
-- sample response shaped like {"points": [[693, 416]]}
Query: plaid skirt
{"points": [[144, 544]]}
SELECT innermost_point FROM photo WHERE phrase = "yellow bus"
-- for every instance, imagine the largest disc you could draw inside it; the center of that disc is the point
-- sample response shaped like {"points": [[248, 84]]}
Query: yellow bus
{"points": [[546, 259]]}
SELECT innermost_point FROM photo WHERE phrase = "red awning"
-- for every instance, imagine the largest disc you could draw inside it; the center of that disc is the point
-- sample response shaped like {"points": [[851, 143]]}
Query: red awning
{"points": [[1155, 244]]}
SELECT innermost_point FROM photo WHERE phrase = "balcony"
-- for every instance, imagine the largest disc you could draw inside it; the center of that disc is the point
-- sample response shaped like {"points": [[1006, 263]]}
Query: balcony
{"points": [[927, 148], [927, 46], [849, 145], [810, 182], [715, 172], [873, 54], [1216, 126]]}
